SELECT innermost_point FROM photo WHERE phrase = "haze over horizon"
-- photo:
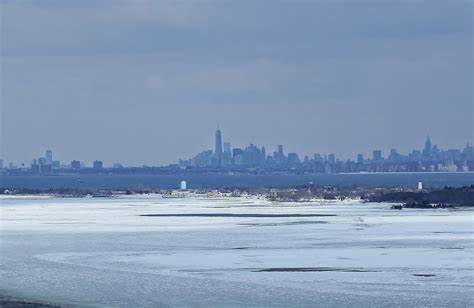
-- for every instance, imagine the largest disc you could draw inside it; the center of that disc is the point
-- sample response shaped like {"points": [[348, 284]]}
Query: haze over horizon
{"points": [[146, 82], [58, 155]]}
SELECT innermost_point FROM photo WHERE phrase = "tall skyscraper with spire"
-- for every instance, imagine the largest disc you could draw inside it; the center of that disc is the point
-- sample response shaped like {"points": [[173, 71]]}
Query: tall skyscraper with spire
{"points": [[428, 147], [218, 147]]}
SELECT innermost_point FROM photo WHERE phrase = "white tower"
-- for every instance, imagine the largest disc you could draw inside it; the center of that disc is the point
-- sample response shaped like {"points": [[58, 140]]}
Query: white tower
{"points": [[420, 185]]}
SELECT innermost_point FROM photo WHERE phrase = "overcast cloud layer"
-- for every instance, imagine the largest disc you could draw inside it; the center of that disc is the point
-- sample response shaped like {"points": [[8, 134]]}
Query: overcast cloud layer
{"points": [[146, 82]]}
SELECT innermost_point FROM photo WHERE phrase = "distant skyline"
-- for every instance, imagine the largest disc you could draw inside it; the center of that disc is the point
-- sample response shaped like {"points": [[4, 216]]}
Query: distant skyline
{"points": [[147, 82], [50, 153]]}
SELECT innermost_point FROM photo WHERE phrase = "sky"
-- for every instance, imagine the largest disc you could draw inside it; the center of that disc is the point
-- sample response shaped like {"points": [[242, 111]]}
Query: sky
{"points": [[148, 82]]}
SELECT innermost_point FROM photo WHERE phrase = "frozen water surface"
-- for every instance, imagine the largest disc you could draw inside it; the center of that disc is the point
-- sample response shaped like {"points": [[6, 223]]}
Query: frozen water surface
{"points": [[104, 252]]}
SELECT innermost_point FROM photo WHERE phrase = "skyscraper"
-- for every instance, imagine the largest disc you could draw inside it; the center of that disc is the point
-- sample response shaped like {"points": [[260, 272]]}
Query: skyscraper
{"points": [[238, 156], [293, 158], [332, 158], [281, 156], [252, 155], [377, 156], [75, 164], [227, 147], [428, 148], [98, 164], [218, 148], [318, 158], [49, 157], [227, 155]]}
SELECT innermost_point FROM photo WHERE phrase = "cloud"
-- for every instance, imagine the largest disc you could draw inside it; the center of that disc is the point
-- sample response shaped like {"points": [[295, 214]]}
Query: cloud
{"points": [[340, 70], [221, 79], [174, 13]]}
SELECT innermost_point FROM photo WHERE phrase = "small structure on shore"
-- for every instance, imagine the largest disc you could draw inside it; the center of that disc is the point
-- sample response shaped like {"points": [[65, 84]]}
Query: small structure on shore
{"points": [[183, 185], [420, 185]]}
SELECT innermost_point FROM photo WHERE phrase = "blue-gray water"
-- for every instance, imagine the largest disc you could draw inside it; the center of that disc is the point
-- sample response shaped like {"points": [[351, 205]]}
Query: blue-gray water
{"points": [[102, 181]]}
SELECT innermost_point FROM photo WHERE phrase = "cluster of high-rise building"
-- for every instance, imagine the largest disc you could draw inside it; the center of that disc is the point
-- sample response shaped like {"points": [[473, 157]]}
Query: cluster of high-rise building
{"points": [[46, 164], [430, 159], [250, 156], [253, 158]]}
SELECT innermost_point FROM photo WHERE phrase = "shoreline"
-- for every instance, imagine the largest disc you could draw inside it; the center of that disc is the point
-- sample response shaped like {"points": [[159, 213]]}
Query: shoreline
{"points": [[447, 197], [13, 302]]}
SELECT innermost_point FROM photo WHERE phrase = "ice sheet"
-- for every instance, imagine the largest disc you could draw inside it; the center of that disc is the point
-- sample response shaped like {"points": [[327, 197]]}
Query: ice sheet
{"points": [[101, 251]]}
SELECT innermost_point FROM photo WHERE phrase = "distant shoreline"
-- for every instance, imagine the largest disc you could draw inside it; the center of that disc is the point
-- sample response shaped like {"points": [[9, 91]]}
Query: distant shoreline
{"points": [[410, 198], [219, 181], [6, 301]]}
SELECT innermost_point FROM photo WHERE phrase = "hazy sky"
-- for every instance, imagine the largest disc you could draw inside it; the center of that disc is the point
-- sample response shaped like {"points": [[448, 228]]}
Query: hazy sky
{"points": [[146, 82]]}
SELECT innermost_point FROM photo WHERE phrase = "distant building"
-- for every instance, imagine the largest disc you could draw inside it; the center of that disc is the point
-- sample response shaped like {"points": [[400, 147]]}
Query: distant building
{"points": [[47, 168], [318, 158], [428, 148], [98, 164], [332, 158], [414, 156], [1, 163], [227, 158], [35, 167], [377, 156], [227, 155], [238, 156], [394, 157], [44, 164], [203, 159], [281, 156], [239, 160], [183, 185], [227, 147], [360, 158], [49, 157], [75, 164], [468, 152], [252, 156], [293, 158], [218, 148]]}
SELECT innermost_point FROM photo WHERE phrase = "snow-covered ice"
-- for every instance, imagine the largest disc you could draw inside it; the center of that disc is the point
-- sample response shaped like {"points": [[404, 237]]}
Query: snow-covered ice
{"points": [[104, 252]]}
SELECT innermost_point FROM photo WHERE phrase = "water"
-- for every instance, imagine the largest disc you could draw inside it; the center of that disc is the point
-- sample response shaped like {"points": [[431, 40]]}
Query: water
{"points": [[103, 252], [101, 181]]}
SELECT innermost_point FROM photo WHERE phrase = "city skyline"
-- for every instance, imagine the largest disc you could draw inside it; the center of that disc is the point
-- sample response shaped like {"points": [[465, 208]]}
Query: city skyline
{"points": [[315, 76], [137, 160], [224, 154], [429, 157]]}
